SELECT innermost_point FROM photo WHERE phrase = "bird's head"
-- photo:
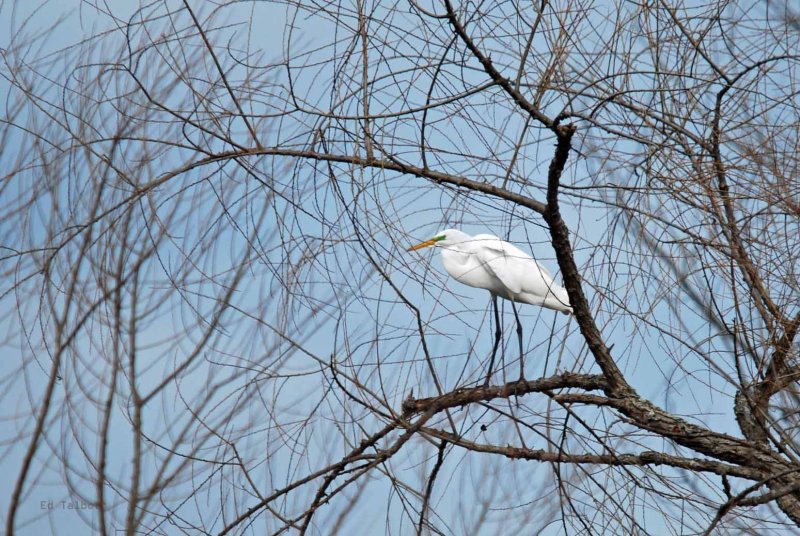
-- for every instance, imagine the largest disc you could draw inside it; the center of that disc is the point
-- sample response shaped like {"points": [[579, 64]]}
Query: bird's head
{"points": [[443, 238]]}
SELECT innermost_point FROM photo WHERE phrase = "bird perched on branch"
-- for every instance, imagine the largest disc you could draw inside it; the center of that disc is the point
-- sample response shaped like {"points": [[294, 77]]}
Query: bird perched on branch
{"points": [[485, 261]]}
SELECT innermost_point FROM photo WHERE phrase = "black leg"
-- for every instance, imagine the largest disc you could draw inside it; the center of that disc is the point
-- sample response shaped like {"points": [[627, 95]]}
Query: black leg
{"points": [[519, 338], [497, 334], [549, 346]]}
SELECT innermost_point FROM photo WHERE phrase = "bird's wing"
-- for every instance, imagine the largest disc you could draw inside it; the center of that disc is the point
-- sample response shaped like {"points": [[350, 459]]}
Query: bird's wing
{"points": [[517, 270], [501, 259]]}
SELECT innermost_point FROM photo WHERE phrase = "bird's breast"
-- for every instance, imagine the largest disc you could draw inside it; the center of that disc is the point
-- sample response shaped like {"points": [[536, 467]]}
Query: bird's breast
{"points": [[466, 268]]}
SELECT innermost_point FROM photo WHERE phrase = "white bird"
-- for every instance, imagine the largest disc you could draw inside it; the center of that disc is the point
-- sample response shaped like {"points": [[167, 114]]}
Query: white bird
{"points": [[485, 261]]}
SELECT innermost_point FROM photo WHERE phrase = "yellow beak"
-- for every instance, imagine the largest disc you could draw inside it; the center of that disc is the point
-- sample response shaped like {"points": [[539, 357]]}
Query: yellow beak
{"points": [[422, 245]]}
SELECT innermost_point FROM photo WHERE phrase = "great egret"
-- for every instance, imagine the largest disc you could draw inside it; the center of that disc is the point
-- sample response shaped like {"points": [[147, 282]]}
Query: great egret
{"points": [[485, 261]]}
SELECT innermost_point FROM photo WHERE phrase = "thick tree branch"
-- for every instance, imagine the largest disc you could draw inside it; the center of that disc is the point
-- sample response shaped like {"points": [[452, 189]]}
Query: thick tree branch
{"points": [[462, 397], [779, 375], [617, 386], [643, 413], [643, 459]]}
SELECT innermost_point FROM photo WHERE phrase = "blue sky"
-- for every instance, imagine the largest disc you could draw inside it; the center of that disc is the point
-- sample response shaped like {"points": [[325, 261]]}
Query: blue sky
{"points": [[354, 304]]}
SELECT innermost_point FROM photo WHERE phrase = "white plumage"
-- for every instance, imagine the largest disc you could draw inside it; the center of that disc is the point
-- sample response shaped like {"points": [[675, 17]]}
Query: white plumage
{"points": [[485, 261]]}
